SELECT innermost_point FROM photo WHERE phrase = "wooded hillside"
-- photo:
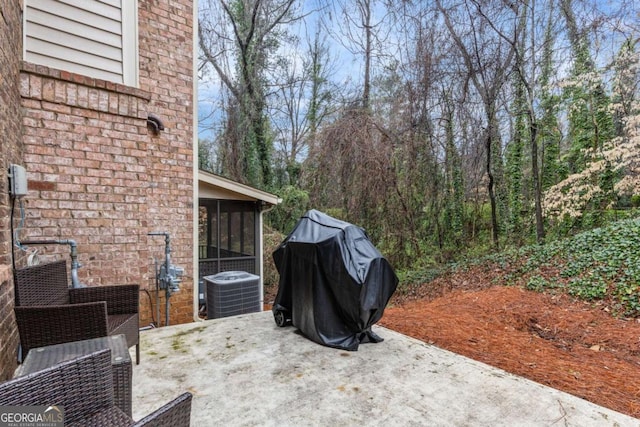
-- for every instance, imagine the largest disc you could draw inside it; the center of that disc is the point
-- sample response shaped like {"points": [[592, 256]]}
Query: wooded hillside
{"points": [[444, 128]]}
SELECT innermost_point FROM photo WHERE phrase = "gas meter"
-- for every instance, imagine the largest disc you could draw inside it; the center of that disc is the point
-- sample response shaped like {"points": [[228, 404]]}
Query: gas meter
{"points": [[168, 276]]}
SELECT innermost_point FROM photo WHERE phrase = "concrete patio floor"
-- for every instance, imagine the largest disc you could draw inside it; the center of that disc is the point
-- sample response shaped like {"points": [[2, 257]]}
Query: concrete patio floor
{"points": [[245, 371]]}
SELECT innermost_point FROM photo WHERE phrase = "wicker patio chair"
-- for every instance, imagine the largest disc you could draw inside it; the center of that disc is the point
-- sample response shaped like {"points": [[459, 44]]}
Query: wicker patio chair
{"points": [[83, 386], [49, 312]]}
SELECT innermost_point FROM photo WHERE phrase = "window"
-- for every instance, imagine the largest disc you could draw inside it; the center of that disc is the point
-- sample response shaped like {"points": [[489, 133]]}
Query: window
{"points": [[227, 229], [95, 38]]}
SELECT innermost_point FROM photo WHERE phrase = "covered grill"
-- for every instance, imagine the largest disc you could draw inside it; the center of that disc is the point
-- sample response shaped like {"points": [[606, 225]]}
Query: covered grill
{"points": [[334, 284]]}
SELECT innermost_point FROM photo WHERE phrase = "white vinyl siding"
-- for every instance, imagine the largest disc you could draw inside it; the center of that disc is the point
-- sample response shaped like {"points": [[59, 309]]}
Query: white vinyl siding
{"points": [[96, 38]]}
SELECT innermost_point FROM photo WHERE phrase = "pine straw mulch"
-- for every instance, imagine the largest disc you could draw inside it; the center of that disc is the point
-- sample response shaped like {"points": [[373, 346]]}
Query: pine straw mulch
{"points": [[555, 340]]}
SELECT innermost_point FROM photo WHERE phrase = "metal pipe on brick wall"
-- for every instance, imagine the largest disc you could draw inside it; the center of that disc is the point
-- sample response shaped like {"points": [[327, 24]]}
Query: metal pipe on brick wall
{"points": [[75, 265]]}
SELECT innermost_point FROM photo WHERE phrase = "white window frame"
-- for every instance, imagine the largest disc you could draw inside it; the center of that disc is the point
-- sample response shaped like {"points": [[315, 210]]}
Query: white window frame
{"points": [[130, 52]]}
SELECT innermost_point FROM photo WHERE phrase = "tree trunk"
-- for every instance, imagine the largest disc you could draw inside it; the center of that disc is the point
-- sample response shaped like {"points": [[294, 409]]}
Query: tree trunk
{"points": [[366, 92], [537, 188], [490, 188]]}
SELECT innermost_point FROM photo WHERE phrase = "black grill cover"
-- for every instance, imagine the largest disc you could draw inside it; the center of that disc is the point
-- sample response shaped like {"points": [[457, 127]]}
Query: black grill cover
{"points": [[334, 284]]}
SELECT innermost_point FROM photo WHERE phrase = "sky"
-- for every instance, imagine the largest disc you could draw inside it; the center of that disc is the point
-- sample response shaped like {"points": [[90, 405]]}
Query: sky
{"points": [[348, 70]]}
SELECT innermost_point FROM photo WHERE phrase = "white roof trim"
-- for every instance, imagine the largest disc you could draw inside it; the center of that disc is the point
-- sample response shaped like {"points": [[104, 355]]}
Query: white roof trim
{"points": [[236, 187]]}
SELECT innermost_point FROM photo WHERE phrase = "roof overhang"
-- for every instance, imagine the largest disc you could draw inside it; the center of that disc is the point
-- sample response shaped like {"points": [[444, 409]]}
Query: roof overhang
{"points": [[212, 186]]}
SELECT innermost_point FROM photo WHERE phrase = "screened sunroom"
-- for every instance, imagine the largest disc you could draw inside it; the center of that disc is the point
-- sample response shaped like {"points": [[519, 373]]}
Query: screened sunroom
{"points": [[229, 227]]}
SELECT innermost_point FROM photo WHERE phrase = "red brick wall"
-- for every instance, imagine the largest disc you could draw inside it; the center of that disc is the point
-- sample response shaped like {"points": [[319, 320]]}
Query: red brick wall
{"points": [[85, 148], [166, 72], [96, 173], [10, 152], [99, 176]]}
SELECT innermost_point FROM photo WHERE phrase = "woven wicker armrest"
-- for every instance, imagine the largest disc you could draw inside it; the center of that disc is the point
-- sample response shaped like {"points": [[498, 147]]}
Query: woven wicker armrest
{"points": [[121, 299], [176, 413], [40, 326], [82, 385]]}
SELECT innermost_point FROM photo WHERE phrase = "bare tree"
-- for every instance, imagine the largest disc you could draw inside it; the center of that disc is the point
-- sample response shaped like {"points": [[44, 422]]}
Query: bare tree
{"points": [[301, 104], [237, 39], [362, 27], [488, 61], [522, 39]]}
